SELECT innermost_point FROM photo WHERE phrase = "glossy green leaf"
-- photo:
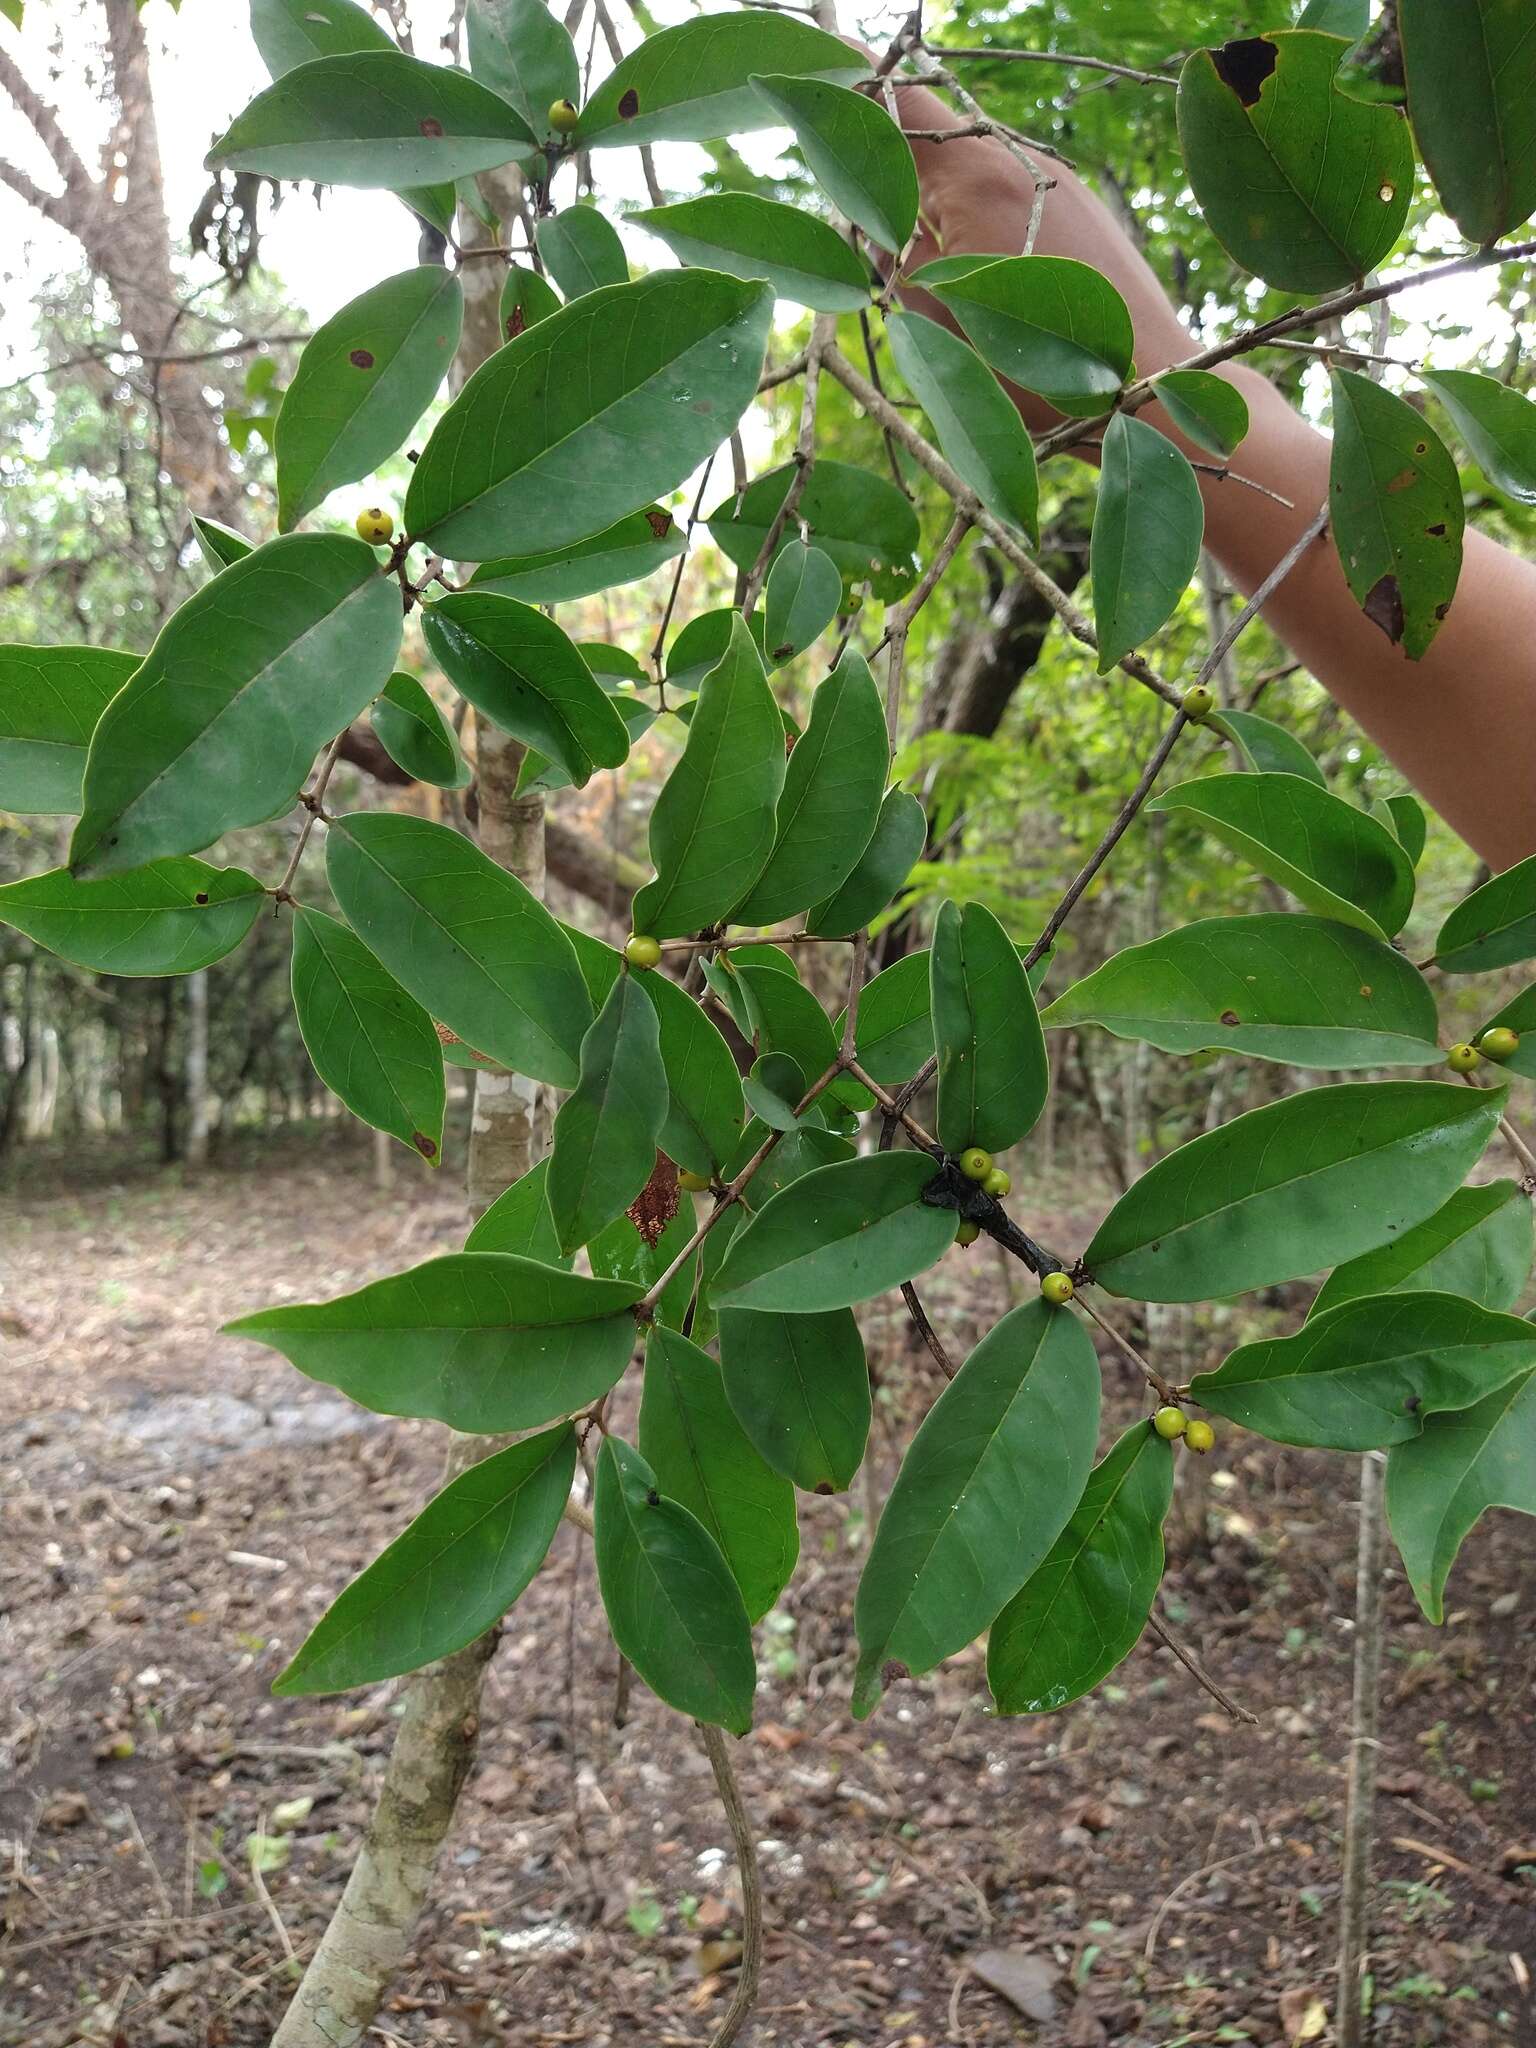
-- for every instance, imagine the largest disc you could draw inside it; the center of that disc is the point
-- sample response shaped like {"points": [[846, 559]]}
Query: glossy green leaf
{"points": [[1366, 1374], [620, 1252], [371, 1043], [219, 545], [292, 32], [1048, 322], [525, 298], [993, 1072], [1336, 860], [697, 647], [780, 1014], [1304, 185], [804, 594], [1493, 927], [675, 1610], [855, 153], [900, 833], [1519, 1015], [1304, 990], [1266, 748], [374, 118], [712, 826], [1396, 511], [469, 942], [773, 1090], [1337, 17], [51, 699], [171, 917], [831, 798], [861, 520], [1471, 75], [894, 1033], [987, 1485], [607, 1129], [692, 83], [1083, 1610], [800, 256], [704, 1460], [481, 1340], [1409, 823], [590, 414], [416, 736], [837, 1236], [1479, 1245], [977, 423], [219, 724], [1497, 424], [450, 1576], [632, 547], [518, 668], [1442, 1481], [1147, 529], [799, 1387], [582, 251], [519, 1221], [1205, 408], [1291, 1187], [522, 50]]}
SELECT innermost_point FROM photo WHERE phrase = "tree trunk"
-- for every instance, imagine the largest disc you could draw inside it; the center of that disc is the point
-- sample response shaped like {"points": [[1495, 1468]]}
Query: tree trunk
{"points": [[195, 1073]]}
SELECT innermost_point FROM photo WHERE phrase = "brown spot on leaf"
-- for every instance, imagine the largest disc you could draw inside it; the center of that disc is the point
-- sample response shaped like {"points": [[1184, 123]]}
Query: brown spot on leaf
{"points": [[1403, 481], [1442, 611], [201, 896], [424, 1145], [1436, 530], [659, 522], [429, 125], [783, 652], [892, 1671], [1366, 989], [445, 1036], [656, 1204], [361, 359], [1384, 607], [517, 323], [1421, 447], [1229, 1018], [1244, 64], [825, 1486], [629, 105], [652, 1498]]}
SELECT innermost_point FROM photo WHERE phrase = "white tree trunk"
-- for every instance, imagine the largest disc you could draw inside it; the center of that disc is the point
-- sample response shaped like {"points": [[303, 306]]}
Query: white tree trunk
{"points": [[196, 1075]]}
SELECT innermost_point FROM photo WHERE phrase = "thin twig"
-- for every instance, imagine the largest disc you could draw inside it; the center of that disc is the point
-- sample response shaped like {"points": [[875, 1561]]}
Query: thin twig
{"points": [[926, 1331], [1312, 531], [803, 457], [1164, 1389], [677, 578], [1198, 1672], [1052, 57], [311, 802], [737, 1819]]}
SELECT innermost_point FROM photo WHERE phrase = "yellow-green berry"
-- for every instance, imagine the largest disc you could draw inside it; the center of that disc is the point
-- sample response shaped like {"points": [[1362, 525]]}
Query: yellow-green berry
{"points": [[1057, 1289], [642, 951], [1197, 702], [563, 116], [996, 1184], [1461, 1059], [374, 525], [1199, 1437], [974, 1163], [967, 1233], [692, 1183], [1170, 1422], [1498, 1042]]}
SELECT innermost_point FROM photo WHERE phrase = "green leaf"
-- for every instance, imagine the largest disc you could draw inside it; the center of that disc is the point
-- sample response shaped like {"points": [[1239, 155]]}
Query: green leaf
{"points": [[1337, 17], [607, 1129], [1493, 927], [1336, 860], [675, 1610], [703, 1459], [1478, 1245], [522, 672], [1497, 424], [1205, 408], [831, 799], [519, 1221], [620, 1252], [804, 594], [1304, 990], [1519, 1015], [581, 250], [172, 917], [221, 721], [592, 413], [525, 298], [1441, 1482], [292, 32], [993, 1072], [1292, 1187], [855, 153], [1266, 748], [1050, 323], [416, 736], [861, 520], [900, 834], [799, 1387], [521, 49], [218, 545], [450, 1576], [370, 1042], [1396, 511], [469, 942], [1471, 76], [363, 381], [712, 826], [977, 423], [894, 1032], [779, 1014], [774, 1088], [1366, 1374], [51, 699], [1084, 1608], [481, 1340], [1147, 529], [745, 236], [634, 546], [1409, 823], [692, 83], [837, 1236], [374, 118], [1301, 184], [994, 1472]]}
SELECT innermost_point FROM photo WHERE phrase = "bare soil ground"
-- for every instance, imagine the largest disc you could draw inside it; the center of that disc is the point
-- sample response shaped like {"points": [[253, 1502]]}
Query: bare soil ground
{"points": [[178, 1507]]}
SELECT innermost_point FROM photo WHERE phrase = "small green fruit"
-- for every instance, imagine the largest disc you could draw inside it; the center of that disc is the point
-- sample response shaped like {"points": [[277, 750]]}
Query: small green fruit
{"points": [[1171, 1422], [641, 951], [967, 1233], [1197, 702], [853, 601], [1498, 1042], [975, 1164], [996, 1184], [375, 525], [563, 116], [1200, 1438], [692, 1183], [1461, 1059], [1057, 1289]]}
